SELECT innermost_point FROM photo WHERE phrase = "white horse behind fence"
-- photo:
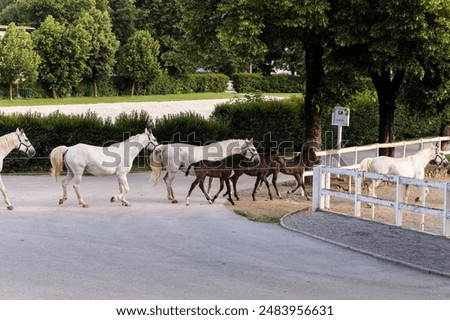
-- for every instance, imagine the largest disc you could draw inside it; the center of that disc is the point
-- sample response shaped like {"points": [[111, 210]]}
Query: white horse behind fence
{"points": [[8, 142], [116, 159], [412, 167]]}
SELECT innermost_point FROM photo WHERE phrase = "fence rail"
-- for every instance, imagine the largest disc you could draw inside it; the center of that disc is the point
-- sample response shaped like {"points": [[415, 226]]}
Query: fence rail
{"points": [[322, 193], [328, 156]]}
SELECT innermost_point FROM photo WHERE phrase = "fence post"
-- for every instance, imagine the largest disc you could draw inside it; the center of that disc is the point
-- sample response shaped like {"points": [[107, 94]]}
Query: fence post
{"points": [[398, 199], [317, 188], [357, 188], [446, 217]]}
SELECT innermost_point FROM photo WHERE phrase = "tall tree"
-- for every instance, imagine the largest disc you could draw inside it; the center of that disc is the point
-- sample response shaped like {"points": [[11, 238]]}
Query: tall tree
{"points": [[18, 61], [34, 12], [396, 41], [123, 19], [252, 31], [103, 46], [138, 59], [64, 49], [161, 18]]}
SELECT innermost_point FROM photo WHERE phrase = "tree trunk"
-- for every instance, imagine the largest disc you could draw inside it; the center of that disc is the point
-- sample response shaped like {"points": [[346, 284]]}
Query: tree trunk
{"points": [[132, 88], [314, 77], [94, 87], [387, 85], [444, 132], [10, 91]]}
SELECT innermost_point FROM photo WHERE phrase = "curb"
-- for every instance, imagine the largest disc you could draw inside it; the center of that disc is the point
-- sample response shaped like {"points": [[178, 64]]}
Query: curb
{"points": [[369, 253]]}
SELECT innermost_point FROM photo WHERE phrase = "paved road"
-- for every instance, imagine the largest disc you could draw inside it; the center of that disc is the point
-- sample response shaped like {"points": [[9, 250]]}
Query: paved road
{"points": [[158, 250]]}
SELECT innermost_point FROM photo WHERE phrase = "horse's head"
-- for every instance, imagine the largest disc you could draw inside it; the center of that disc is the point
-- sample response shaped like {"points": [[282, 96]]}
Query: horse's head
{"points": [[248, 150], [152, 142], [439, 157], [276, 157], [23, 144], [310, 158]]}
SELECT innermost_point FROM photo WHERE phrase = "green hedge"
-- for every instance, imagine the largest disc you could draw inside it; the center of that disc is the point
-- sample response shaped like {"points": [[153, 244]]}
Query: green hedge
{"points": [[255, 82], [48, 132], [275, 123], [272, 123]]}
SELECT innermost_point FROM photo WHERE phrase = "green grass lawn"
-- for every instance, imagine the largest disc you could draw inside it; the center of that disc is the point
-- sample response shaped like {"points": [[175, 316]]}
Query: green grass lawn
{"points": [[150, 98]]}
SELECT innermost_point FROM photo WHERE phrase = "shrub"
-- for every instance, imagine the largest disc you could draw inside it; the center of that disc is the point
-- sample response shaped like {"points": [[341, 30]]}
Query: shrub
{"points": [[273, 124]]}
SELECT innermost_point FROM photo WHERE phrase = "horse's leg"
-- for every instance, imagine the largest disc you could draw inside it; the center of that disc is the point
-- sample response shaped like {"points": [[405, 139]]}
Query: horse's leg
{"points": [[202, 187], [220, 189], [168, 178], [299, 180], [5, 196], [210, 180], [230, 198], [372, 187], [234, 178], [197, 180], [274, 183], [123, 188], [268, 186], [76, 187], [64, 184], [426, 191]]}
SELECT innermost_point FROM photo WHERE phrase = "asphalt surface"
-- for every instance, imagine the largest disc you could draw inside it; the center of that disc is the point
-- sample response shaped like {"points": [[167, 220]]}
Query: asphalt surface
{"points": [[159, 250], [418, 250]]}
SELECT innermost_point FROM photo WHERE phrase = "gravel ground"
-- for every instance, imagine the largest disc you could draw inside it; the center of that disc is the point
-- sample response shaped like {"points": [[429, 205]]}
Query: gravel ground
{"points": [[426, 252], [155, 109]]}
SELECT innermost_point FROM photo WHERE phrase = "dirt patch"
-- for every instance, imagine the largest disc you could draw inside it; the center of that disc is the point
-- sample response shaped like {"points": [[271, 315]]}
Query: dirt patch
{"points": [[264, 209]]}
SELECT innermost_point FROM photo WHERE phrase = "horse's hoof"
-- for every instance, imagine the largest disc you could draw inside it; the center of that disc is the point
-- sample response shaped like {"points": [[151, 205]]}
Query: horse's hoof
{"points": [[418, 199], [61, 201], [113, 199], [85, 205], [187, 204], [10, 207], [174, 201], [289, 191]]}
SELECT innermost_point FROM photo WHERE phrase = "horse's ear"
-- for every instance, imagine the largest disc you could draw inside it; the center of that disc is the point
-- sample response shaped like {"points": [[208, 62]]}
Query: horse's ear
{"points": [[146, 130], [19, 131]]}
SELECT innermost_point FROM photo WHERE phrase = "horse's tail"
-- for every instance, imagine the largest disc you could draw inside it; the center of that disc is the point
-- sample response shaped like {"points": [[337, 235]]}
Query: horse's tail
{"points": [[57, 160], [156, 163], [188, 169], [365, 165]]}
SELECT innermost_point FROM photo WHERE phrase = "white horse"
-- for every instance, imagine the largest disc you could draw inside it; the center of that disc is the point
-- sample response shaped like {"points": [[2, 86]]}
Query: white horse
{"points": [[178, 156], [116, 159], [412, 167], [8, 142]]}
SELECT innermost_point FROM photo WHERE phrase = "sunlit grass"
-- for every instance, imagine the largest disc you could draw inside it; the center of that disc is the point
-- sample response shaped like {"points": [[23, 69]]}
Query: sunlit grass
{"points": [[123, 99]]}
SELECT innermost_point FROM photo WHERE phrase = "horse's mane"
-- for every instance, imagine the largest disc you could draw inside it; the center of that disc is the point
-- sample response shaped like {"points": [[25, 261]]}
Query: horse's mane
{"points": [[7, 140]]}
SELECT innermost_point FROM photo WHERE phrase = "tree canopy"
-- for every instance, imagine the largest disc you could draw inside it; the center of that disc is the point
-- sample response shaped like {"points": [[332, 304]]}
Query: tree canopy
{"points": [[18, 61]]}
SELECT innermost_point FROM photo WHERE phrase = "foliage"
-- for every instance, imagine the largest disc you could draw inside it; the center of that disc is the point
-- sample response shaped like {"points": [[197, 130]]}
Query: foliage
{"points": [[103, 46], [64, 50], [138, 59], [275, 124], [18, 61], [254, 82], [48, 132], [123, 19], [34, 12], [189, 127]]}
